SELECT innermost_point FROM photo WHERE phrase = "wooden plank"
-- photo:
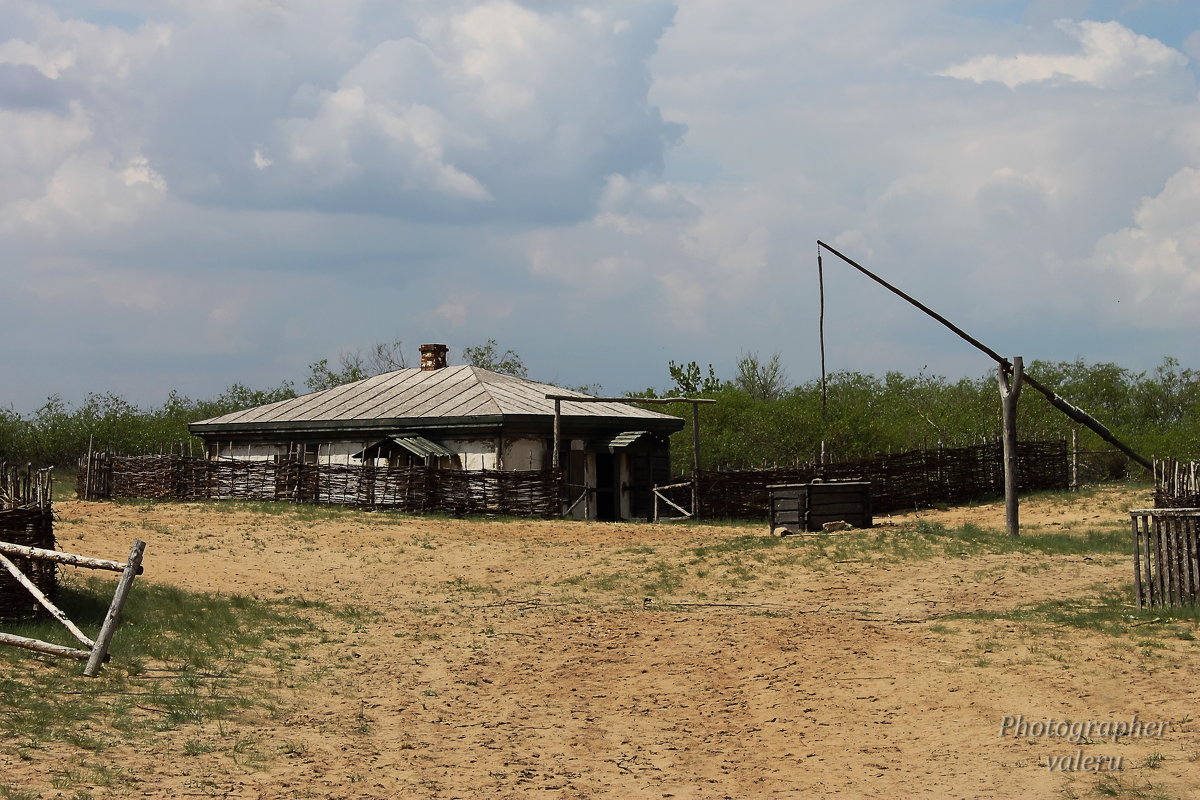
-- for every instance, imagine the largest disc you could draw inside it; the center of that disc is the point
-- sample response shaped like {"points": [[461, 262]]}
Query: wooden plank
{"points": [[836, 509], [679, 508], [1148, 541], [1160, 584], [1137, 571], [840, 487]]}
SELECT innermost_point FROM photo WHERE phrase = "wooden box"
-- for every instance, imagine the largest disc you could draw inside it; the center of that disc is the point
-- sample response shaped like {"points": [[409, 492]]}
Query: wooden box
{"points": [[800, 507]]}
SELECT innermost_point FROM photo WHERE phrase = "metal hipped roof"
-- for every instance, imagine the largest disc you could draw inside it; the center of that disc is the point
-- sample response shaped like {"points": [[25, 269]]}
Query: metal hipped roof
{"points": [[460, 393], [616, 441], [417, 445]]}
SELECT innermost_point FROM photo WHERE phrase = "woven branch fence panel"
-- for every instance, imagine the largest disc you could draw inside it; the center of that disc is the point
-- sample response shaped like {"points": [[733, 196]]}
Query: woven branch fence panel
{"points": [[26, 518], [1176, 484], [900, 482], [411, 489]]}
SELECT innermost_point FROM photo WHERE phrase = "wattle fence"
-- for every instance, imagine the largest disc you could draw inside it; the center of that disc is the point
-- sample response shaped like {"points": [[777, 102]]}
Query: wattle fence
{"points": [[917, 479], [410, 489], [900, 482], [26, 518], [1166, 538]]}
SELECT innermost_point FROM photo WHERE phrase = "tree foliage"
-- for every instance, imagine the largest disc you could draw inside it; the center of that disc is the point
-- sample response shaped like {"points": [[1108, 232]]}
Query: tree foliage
{"points": [[688, 380], [353, 365], [766, 380], [489, 356], [758, 420]]}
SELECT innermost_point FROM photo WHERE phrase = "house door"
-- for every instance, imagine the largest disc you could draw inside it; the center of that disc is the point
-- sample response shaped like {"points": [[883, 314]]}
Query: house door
{"points": [[608, 499]]}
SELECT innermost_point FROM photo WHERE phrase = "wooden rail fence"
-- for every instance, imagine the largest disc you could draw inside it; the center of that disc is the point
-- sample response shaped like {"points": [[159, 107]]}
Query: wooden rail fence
{"points": [[28, 568], [97, 652]]}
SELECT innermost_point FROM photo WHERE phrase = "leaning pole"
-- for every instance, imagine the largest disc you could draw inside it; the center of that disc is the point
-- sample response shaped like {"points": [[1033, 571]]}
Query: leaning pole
{"points": [[1073, 412]]}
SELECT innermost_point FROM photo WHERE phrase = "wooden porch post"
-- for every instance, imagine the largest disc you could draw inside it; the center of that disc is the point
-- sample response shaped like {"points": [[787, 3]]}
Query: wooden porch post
{"points": [[695, 460], [557, 434]]}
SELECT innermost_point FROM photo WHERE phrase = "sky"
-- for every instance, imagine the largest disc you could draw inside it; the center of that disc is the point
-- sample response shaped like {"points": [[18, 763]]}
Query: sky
{"points": [[194, 194]]}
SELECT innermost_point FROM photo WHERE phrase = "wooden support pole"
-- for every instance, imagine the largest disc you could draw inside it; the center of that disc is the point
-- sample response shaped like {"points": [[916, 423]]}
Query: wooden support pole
{"points": [[1075, 459], [104, 638], [557, 434], [87, 471], [1010, 393], [695, 460], [554, 446]]}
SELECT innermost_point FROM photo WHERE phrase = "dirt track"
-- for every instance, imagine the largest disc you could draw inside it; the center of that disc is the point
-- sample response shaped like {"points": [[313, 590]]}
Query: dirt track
{"points": [[608, 660]]}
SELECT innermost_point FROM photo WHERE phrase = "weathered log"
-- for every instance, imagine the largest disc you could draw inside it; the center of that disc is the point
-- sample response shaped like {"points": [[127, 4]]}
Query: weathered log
{"points": [[38, 646], [109, 627], [62, 558]]}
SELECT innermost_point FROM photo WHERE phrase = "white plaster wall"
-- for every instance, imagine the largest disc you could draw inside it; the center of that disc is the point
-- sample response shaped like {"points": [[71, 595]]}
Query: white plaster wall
{"points": [[253, 452], [473, 454], [524, 454]]}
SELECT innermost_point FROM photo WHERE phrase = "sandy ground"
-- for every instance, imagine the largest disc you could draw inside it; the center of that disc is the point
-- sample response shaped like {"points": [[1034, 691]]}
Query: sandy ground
{"points": [[542, 658]]}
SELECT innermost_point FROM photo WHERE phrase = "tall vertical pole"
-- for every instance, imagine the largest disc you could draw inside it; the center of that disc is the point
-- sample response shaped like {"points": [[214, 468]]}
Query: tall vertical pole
{"points": [[87, 471], [557, 434], [562, 502], [695, 460], [1075, 459], [1010, 393]]}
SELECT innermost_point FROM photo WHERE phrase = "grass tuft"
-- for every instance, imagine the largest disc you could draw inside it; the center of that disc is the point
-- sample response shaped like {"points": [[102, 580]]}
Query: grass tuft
{"points": [[178, 658]]}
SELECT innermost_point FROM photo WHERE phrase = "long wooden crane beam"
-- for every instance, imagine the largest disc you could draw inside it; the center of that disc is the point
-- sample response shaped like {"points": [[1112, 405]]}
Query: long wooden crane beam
{"points": [[1074, 412]]}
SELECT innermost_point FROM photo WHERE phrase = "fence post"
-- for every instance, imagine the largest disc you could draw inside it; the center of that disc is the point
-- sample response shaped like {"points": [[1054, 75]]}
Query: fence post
{"points": [[1075, 459], [104, 638]]}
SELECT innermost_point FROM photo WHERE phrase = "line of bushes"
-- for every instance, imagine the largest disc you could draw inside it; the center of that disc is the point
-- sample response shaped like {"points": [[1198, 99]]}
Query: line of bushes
{"points": [[759, 420]]}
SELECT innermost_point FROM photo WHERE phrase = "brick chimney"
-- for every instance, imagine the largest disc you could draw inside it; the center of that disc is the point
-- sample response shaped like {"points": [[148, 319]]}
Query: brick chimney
{"points": [[433, 356]]}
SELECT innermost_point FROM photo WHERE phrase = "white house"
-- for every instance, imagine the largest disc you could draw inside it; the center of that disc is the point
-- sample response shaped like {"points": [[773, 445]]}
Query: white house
{"points": [[462, 418]]}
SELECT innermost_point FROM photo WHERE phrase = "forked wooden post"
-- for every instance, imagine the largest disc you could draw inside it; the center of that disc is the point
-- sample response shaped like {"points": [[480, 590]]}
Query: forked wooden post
{"points": [[1010, 393], [104, 638]]}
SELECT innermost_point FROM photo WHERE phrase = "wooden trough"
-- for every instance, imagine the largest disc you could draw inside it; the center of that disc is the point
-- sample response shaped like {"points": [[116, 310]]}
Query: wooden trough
{"points": [[797, 507]]}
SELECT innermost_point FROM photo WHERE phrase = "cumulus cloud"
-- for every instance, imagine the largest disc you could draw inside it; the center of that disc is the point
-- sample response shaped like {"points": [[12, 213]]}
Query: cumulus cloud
{"points": [[1157, 259], [478, 111], [1110, 56], [518, 169]]}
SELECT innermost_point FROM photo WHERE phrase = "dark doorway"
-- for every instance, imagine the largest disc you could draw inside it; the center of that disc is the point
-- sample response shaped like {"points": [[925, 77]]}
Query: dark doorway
{"points": [[649, 466], [608, 500]]}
